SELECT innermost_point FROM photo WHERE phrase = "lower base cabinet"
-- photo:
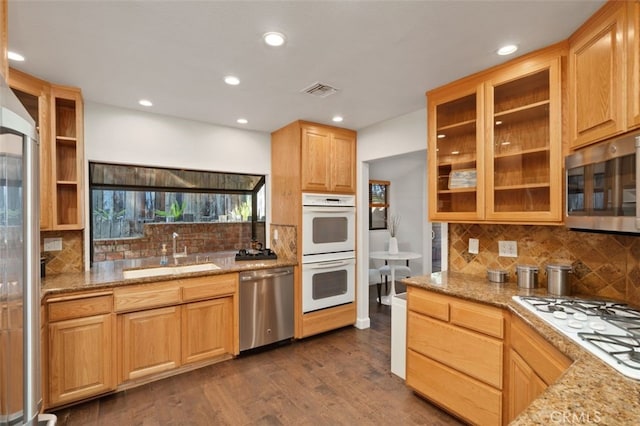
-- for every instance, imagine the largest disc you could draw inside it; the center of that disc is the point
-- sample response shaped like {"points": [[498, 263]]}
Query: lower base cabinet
{"points": [[534, 364], [80, 358], [150, 342], [207, 329], [479, 362], [99, 342], [455, 353], [468, 398]]}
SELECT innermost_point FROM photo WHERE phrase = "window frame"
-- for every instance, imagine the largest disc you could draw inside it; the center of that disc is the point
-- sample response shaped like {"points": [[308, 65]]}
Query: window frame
{"points": [[385, 205]]}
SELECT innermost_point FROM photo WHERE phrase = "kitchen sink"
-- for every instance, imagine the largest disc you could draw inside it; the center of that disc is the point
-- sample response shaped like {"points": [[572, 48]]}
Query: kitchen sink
{"points": [[169, 270]]}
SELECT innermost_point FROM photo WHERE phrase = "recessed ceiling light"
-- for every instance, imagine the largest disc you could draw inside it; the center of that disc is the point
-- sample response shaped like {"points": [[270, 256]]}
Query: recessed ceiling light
{"points": [[498, 122], [15, 56], [455, 152], [232, 80], [507, 50], [274, 39], [145, 102], [337, 119], [442, 136], [242, 121]]}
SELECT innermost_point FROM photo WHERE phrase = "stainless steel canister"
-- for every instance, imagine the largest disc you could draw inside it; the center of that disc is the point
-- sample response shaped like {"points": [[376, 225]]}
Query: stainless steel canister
{"points": [[558, 279], [497, 275], [527, 276]]}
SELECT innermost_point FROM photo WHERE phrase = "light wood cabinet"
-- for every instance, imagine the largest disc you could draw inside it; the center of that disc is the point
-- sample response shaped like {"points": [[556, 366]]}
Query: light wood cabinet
{"points": [[597, 77], [58, 113], [81, 348], [455, 353], [310, 157], [633, 64], [207, 329], [150, 342], [35, 96], [328, 159], [494, 143], [67, 154], [534, 364]]}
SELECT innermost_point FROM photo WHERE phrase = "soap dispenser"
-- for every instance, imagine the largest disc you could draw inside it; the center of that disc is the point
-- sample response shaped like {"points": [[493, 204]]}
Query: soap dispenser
{"points": [[163, 258]]}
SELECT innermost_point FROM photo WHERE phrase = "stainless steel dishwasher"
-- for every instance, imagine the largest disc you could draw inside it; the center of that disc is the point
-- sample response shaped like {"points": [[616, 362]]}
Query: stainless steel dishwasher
{"points": [[266, 307]]}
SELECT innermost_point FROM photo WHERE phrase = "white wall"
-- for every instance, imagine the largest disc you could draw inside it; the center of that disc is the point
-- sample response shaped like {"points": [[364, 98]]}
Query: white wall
{"points": [[124, 136], [387, 149], [400, 135], [120, 135]]}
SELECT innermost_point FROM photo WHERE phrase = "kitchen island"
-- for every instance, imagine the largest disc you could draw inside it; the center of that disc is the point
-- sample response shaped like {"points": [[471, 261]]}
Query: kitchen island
{"points": [[588, 392]]}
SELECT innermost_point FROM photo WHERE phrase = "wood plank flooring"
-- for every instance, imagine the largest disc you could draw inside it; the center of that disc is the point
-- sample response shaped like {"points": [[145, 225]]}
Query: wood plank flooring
{"points": [[338, 378]]}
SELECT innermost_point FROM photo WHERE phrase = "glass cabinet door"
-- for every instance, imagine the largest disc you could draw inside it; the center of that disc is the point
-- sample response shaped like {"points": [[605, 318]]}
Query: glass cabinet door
{"points": [[524, 172], [454, 158]]}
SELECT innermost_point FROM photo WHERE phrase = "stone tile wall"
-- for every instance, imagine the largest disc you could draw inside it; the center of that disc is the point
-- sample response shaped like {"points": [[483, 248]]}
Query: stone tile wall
{"points": [[604, 265], [285, 245], [70, 258]]}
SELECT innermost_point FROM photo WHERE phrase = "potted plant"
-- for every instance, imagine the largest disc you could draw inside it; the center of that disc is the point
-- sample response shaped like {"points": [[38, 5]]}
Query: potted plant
{"points": [[393, 224]]}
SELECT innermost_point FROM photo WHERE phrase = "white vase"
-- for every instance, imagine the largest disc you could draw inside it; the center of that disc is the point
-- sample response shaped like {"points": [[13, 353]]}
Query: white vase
{"points": [[393, 245]]}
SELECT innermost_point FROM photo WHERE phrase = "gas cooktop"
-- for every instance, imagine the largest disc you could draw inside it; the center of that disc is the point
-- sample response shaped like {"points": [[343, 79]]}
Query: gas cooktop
{"points": [[608, 330], [252, 254]]}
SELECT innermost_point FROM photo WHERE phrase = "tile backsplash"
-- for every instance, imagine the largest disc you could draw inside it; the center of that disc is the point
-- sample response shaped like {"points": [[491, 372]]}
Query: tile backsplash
{"points": [[604, 265], [70, 258]]}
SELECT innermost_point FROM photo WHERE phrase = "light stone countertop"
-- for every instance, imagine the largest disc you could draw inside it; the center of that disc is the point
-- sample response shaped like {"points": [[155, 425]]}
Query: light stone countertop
{"points": [[589, 392], [106, 275]]}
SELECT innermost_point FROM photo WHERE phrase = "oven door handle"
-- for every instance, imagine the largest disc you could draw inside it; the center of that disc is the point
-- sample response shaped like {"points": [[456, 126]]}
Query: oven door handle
{"points": [[327, 265], [328, 209]]}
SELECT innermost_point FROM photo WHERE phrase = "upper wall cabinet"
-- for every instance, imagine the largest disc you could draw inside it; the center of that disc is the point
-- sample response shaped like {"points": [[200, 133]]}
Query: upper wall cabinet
{"points": [[328, 159], [604, 74], [524, 147], [67, 157], [597, 77], [35, 96], [58, 113], [456, 135], [495, 147]]}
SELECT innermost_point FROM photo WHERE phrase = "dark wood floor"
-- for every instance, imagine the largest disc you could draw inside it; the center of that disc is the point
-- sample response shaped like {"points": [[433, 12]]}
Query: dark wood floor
{"points": [[338, 378]]}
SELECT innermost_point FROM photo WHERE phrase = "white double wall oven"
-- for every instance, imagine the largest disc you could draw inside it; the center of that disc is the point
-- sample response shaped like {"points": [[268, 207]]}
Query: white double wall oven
{"points": [[328, 250]]}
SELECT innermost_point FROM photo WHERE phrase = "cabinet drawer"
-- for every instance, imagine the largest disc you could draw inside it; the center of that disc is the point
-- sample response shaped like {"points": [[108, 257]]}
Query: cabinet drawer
{"points": [[478, 317], [470, 353], [208, 287], [80, 307], [428, 303], [468, 398], [545, 360], [132, 298]]}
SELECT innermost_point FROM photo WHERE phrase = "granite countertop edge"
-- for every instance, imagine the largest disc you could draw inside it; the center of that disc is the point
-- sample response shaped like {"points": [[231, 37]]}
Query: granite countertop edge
{"points": [[588, 392], [109, 275]]}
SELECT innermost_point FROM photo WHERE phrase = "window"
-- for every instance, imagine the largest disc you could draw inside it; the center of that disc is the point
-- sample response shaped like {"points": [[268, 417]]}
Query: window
{"points": [[378, 203], [123, 199]]}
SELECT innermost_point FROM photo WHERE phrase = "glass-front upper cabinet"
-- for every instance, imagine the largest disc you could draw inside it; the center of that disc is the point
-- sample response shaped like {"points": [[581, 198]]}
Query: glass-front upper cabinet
{"points": [[455, 153], [523, 149]]}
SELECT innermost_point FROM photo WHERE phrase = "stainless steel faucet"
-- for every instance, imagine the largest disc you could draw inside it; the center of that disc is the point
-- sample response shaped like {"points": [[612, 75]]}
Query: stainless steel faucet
{"points": [[176, 255]]}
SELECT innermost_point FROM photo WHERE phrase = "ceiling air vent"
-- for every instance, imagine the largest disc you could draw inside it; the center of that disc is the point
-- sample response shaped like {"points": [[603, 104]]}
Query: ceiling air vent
{"points": [[319, 90]]}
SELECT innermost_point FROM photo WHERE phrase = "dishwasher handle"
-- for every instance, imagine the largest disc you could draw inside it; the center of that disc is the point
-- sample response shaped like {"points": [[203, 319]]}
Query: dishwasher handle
{"points": [[266, 275]]}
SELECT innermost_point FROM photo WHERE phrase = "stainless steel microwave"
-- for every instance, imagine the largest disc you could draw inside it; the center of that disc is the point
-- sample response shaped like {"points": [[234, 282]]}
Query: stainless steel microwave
{"points": [[602, 186]]}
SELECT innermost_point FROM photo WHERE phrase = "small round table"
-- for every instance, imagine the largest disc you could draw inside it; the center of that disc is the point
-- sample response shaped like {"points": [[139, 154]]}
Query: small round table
{"points": [[385, 255]]}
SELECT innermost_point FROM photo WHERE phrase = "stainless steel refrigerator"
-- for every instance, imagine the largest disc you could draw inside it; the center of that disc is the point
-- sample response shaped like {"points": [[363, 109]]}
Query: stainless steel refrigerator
{"points": [[20, 391]]}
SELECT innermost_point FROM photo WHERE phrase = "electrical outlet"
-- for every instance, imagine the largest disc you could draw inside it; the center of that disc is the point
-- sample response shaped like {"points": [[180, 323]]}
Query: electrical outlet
{"points": [[52, 244], [474, 245], [275, 235], [507, 249]]}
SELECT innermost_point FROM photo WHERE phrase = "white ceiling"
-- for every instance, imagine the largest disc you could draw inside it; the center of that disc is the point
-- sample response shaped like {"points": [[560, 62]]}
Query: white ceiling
{"points": [[382, 55]]}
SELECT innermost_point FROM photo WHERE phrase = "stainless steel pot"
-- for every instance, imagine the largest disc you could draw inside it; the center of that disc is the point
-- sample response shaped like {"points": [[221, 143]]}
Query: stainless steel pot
{"points": [[527, 276], [558, 279]]}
